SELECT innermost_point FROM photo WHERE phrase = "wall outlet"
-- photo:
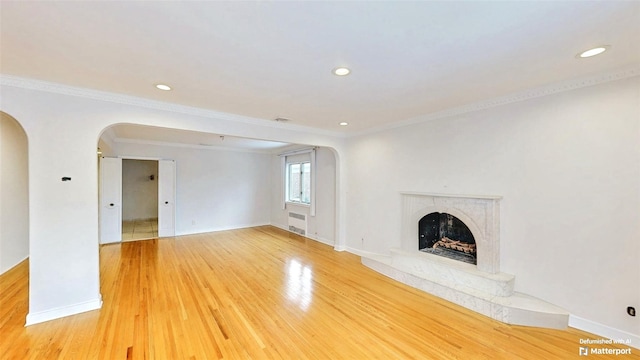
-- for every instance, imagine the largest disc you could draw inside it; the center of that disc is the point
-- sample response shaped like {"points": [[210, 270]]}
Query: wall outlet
{"points": [[631, 311], [193, 222]]}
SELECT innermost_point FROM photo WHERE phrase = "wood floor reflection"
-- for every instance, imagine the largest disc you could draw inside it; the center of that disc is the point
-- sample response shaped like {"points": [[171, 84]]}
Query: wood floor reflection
{"points": [[260, 293]]}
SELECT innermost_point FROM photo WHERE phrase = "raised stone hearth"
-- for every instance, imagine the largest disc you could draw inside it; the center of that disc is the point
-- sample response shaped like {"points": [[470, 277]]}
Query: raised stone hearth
{"points": [[482, 287]]}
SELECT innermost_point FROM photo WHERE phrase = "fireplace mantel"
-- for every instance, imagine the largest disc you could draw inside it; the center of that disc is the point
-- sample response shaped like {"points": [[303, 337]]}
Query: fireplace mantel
{"points": [[463, 196]]}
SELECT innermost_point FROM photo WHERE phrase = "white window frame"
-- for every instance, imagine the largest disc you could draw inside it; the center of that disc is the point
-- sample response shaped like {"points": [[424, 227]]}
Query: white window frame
{"points": [[290, 157], [300, 191]]}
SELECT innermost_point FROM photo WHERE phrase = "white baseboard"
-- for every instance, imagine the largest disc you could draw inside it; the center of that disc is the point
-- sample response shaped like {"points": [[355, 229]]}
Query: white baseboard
{"points": [[605, 331], [363, 253], [14, 265], [279, 226], [321, 240], [308, 236], [224, 228], [56, 313]]}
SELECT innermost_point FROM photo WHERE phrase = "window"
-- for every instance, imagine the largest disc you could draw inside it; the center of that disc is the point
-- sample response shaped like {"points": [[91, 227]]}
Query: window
{"points": [[298, 169], [299, 182]]}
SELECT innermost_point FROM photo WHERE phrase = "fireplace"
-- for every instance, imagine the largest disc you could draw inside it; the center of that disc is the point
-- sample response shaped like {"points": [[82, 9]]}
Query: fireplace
{"points": [[445, 235], [470, 226], [478, 215]]}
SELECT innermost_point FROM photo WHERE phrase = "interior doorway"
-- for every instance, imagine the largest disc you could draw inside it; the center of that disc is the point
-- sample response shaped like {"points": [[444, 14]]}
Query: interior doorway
{"points": [[139, 199]]}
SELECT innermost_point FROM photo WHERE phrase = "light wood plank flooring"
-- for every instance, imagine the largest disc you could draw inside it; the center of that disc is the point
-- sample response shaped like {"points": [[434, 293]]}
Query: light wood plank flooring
{"points": [[261, 293]]}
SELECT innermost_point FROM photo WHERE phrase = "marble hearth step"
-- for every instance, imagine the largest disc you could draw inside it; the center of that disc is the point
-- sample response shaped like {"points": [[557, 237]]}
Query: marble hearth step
{"points": [[452, 273], [492, 295]]}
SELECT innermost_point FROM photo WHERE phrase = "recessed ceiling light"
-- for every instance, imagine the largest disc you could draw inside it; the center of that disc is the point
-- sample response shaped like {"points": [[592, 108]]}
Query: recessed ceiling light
{"points": [[593, 52], [163, 87], [341, 71], [344, 123]]}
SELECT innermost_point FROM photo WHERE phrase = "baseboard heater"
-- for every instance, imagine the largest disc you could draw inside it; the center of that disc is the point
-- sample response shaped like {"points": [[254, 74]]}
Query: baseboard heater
{"points": [[298, 223]]}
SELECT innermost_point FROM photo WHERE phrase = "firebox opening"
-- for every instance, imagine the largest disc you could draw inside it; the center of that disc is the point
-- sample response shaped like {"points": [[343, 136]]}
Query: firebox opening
{"points": [[445, 235]]}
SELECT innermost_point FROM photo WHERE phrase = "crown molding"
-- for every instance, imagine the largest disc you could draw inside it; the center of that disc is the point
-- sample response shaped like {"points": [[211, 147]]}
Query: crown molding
{"points": [[39, 85], [559, 87]]}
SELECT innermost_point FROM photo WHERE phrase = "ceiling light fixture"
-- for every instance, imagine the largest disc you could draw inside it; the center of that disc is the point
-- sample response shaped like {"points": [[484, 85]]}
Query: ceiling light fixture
{"points": [[341, 71], [344, 123], [593, 52], [163, 87]]}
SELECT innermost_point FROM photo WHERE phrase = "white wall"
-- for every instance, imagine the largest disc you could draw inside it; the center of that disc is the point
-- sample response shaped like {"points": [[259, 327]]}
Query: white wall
{"points": [[215, 189], [14, 194], [568, 167], [139, 192], [322, 226]]}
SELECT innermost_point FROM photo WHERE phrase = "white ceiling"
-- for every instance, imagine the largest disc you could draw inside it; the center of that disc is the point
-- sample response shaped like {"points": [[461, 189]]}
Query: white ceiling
{"points": [[274, 59]]}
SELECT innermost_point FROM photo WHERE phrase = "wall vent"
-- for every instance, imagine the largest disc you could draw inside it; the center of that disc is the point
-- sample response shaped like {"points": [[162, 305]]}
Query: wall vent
{"points": [[298, 223]]}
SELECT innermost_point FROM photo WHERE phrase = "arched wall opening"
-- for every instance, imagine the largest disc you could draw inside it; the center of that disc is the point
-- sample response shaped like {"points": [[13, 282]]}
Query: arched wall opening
{"points": [[63, 229], [203, 158], [14, 193]]}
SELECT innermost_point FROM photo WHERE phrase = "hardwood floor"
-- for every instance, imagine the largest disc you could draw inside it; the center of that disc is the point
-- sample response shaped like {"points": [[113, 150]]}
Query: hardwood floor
{"points": [[261, 293]]}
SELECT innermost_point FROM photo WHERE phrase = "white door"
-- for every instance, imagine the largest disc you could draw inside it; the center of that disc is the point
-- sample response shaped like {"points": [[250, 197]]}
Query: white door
{"points": [[166, 198], [110, 200]]}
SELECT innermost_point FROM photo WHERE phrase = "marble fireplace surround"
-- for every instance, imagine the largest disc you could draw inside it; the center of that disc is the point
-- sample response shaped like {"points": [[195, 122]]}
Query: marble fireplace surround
{"points": [[482, 287], [481, 214]]}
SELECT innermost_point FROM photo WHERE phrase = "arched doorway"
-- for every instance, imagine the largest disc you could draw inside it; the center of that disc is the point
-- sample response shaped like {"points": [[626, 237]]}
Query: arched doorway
{"points": [[14, 193]]}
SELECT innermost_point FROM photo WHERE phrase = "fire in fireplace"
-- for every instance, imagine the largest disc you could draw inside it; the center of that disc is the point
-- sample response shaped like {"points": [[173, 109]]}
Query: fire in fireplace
{"points": [[445, 235]]}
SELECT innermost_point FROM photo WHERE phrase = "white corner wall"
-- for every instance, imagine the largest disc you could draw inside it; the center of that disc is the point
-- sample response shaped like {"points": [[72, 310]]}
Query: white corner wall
{"points": [[14, 194], [568, 167], [215, 189]]}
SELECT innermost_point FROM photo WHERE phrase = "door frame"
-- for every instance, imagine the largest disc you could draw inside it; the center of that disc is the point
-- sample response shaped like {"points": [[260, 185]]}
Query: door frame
{"points": [[166, 198], [152, 158], [109, 234]]}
